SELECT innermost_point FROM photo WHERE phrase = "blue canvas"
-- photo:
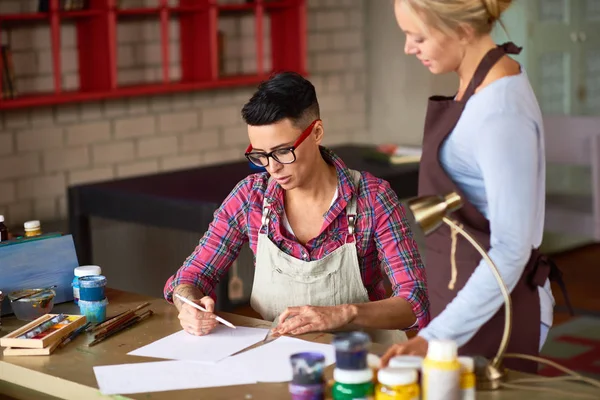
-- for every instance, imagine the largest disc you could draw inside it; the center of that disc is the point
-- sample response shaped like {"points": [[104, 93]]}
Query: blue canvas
{"points": [[38, 264]]}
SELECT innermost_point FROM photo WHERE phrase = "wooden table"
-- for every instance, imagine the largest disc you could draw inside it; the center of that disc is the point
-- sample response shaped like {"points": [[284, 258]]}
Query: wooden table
{"points": [[68, 373]]}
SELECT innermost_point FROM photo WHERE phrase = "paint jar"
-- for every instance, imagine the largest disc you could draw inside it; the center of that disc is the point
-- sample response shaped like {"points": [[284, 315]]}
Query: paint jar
{"points": [[32, 228], [352, 384], [374, 362], [94, 311], [91, 288], [441, 371], [84, 270], [351, 350], [467, 378], [410, 362], [307, 376], [397, 384]]}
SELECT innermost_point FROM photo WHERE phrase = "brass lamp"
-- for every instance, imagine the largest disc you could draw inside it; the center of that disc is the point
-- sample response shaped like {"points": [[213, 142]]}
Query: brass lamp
{"points": [[430, 212]]}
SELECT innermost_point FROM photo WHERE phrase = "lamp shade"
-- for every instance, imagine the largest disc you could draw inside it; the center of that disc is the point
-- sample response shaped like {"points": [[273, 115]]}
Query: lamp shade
{"points": [[429, 211]]}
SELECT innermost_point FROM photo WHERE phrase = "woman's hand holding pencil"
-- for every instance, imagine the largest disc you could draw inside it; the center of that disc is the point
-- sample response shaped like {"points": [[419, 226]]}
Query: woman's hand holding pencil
{"points": [[199, 319]]}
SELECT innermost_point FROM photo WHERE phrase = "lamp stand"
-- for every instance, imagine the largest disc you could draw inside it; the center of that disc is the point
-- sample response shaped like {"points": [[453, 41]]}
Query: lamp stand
{"points": [[489, 375]]}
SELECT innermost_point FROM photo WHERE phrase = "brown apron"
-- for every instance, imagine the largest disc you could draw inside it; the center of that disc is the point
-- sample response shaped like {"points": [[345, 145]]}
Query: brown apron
{"points": [[443, 114]]}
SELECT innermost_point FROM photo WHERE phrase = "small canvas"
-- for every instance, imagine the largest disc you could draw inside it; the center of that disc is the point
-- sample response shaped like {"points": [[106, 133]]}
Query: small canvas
{"points": [[38, 264]]}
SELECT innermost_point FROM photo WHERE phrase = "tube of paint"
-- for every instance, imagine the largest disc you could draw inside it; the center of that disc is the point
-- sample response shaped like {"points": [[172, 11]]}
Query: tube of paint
{"points": [[307, 376]]}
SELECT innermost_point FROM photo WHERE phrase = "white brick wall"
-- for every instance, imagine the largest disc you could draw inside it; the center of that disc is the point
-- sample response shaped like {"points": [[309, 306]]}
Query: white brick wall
{"points": [[43, 150]]}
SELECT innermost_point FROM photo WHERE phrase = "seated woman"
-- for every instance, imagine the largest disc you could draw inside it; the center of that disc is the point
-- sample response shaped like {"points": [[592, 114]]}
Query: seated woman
{"points": [[322, 234]]}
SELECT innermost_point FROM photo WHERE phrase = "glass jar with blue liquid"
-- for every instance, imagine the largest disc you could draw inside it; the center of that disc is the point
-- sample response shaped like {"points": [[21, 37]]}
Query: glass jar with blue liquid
{"points": [[84, 270]]}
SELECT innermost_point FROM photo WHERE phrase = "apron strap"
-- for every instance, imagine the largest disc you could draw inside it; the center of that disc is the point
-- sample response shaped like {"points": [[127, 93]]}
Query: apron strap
{"points": [[351, 207], [486, 64], [265, 211], [546, 268]]}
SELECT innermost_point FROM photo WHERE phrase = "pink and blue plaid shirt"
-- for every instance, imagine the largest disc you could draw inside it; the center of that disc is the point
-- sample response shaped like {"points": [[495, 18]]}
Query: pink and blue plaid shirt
{"points": [[383, 237]]}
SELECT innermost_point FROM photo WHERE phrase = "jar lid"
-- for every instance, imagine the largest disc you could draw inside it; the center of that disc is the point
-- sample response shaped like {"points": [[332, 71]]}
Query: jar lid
{"points": [[351, 341], [467, 363], [353, 376], [32, 224], [442, 350], [397, 376], [92, 281], [406, 362], [86, 270]]}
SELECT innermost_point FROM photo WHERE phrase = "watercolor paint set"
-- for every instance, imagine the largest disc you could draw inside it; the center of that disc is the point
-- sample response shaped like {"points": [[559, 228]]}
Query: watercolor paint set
{"points": [[42, 336]]}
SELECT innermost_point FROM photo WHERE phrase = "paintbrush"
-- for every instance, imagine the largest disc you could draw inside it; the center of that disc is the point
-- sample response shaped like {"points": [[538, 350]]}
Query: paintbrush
{"points": [[33, 292], [121, 328], [73, 335], [117, 319]]}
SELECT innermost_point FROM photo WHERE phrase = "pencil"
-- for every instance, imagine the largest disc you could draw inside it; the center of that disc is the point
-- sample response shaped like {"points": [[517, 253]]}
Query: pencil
{"points": [[199, 307]]}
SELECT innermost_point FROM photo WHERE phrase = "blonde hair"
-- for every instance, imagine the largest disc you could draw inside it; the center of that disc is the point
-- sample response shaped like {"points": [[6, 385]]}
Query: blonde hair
{"points": [[449, 15]]}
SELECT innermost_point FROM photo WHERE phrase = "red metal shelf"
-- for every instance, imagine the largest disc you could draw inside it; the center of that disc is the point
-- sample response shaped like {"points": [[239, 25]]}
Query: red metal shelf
{"points": [[96, 30], [80, 14], [24, 17], [48, 99], [139, 11], [237, 7], [188, 9]]}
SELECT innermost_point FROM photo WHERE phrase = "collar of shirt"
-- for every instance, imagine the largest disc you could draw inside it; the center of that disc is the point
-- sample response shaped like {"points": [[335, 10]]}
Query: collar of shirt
{"points": [[346, 188]]}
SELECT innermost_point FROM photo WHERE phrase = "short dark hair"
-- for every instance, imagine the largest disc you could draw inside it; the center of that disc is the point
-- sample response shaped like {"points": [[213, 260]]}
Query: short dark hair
{"points": [[284, 95]]}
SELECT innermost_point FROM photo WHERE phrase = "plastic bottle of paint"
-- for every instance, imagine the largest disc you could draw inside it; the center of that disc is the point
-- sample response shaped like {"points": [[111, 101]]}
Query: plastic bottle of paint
{"points": [[307, 376], [441, 371], [353, 384], [3, 230], [397, 384], [351, 350], [32, 228], [467, 378], [84, 270], [411, 362]]}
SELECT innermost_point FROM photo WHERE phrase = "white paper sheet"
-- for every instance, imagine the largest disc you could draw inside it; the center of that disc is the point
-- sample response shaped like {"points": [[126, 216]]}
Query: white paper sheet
{"points": [[167, 375], [220, 343], [271, 362]]}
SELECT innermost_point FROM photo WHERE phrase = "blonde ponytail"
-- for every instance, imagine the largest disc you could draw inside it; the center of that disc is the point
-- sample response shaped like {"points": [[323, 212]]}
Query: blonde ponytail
{"points": [[449, 15], [495, 8]]}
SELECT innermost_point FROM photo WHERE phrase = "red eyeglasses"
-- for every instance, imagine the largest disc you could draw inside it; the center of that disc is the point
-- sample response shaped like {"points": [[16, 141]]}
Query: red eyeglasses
{"points": [[284, 155]]}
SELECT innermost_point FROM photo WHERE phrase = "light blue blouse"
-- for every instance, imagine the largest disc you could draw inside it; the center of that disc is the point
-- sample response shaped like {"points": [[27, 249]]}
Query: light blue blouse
{"points": [[496, 156]]}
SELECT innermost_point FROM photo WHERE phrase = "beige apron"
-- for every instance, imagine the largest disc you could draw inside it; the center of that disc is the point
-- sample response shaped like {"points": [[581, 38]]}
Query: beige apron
{"points": [[282, 281]]}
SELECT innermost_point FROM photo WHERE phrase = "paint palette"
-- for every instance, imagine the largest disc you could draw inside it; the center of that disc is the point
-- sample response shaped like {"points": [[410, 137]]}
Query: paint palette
{"points": [[42, 336]]}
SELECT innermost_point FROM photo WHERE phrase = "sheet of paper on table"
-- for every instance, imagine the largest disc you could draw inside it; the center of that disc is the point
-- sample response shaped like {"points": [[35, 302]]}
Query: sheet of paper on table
{"points": [[206, 361], [222, 342], [163, 376]]}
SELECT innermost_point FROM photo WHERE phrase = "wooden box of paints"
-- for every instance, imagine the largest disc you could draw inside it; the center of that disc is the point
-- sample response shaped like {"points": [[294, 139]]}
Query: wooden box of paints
{"points": [[42, 336]]}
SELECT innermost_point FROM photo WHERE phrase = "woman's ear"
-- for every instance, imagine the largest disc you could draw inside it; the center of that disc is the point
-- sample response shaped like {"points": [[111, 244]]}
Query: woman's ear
{"points": [[319, 132], [466, 33]]}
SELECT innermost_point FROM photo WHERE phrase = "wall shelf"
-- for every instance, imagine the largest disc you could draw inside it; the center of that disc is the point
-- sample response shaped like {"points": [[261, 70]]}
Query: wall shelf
{"points": [[198, 20]]}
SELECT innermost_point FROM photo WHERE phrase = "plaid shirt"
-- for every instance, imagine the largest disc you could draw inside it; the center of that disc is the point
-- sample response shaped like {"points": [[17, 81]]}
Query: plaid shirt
{"points": [[382, 234]]}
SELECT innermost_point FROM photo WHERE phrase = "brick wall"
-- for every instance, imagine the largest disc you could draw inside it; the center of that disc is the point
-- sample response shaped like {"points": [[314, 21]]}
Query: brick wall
{"points": [[43, 150]]}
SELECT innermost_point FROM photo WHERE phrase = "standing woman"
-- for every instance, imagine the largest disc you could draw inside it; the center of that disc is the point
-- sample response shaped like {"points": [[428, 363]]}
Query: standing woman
{"points": [[487, 144]]}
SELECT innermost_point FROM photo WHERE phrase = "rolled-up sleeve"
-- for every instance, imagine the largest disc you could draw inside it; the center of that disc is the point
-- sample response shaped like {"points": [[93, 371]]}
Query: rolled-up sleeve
{"points": [[398, 253], [218, 248]]}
